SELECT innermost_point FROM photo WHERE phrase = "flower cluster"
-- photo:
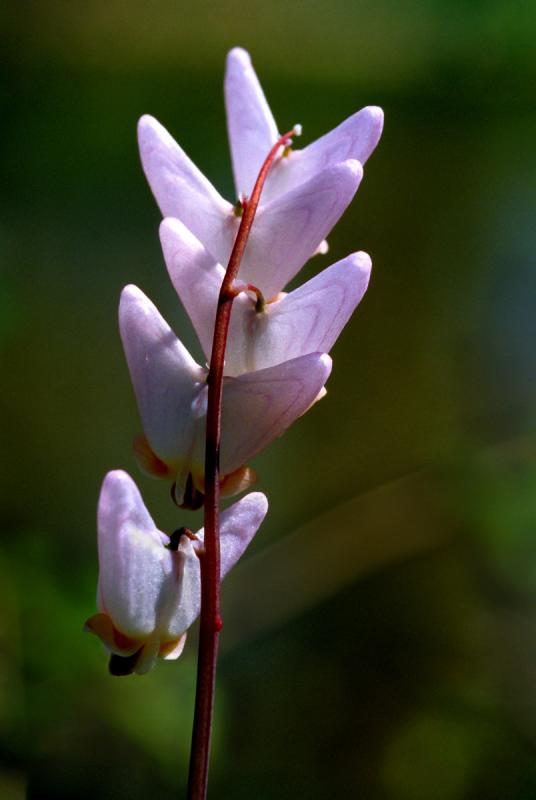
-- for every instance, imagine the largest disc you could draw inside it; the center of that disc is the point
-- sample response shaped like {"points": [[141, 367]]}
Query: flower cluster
{"points": [[276, 362]]}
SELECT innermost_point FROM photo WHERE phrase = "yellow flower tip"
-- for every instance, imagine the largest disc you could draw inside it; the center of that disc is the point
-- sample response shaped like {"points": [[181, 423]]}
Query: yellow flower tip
{"points": [[321, 394], [238, 481], [148, 461], [116, 642], [322, 248], [277, 297], [233, 483], [170, 651]]}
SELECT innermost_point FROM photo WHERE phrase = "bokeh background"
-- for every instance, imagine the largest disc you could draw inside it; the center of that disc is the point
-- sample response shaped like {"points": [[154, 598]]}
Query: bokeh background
{"points": [[380, 637]]}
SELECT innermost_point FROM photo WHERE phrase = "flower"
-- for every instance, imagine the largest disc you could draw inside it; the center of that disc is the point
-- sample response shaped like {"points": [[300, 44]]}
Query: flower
{"points": [[171, 392], [305, 193], [287, 231], [253, 131], [149, 583], [307, 320]]}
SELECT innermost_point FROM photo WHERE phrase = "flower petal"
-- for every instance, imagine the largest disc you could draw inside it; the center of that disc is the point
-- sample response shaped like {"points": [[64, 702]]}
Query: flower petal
{"points": [[147, 656], [355, 138], [258, 407], [148, 462], [114, 641], [238, 481], [181, 190], [287, 231], [175, 595], [238, 525], [251, 126], [307, 320], [196, 276], [170, 651], [132, 557], [166, 379], [178, 618]]}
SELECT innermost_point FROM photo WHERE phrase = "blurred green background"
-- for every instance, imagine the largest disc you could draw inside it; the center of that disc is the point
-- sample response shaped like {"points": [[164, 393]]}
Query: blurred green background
{"points": [[380, 637]]}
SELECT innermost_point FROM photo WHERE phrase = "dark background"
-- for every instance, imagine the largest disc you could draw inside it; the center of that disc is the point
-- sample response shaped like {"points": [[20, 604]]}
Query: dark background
{"points": [[380, 635]]}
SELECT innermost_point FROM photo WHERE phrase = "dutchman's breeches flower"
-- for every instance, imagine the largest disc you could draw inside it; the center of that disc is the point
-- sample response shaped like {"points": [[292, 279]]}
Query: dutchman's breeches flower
{"points": [[263, 334], [253, 131], [171, 392], [304, 195], [149, 583]]}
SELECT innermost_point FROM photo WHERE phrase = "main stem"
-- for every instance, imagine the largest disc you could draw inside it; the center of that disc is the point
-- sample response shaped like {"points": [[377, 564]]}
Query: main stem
{"points": [[211, 623]]}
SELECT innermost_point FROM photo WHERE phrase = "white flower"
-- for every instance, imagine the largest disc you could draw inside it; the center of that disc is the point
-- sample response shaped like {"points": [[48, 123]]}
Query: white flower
{"points": [[149, 584], [171, 392], [305, 193], [307, 320], [253, 131]]}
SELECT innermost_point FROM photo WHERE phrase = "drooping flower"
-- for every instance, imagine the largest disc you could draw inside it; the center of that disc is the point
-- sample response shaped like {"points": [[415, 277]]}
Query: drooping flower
{"points": [[149, 583], [305, 193], [171, 392], [261, 335]]}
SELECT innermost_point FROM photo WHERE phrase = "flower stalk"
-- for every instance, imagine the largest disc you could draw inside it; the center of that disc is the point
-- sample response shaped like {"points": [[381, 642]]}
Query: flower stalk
{"points": [[211, 621]]}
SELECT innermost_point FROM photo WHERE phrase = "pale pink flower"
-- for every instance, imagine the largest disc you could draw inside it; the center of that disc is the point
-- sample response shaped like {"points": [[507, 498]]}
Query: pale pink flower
{"points": [[171, 392], [305, 193], [307, 320], [253, 131], [149, 584]]}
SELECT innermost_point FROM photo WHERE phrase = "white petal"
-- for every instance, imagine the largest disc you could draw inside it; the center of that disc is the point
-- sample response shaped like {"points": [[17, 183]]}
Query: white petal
{"points": [[355, 138], [147, 657], [132, 557], [311, 317], [287, 231], [307, 320], [177, 594], [172, 653], [251, 126], [258, 407], [181, 190], [166, 379], [196, 276], [179, 618], [238, 525]]}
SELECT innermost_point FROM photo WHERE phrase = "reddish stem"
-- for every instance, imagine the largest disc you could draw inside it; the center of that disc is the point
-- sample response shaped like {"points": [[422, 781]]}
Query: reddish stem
{"points": [[211, 622]]}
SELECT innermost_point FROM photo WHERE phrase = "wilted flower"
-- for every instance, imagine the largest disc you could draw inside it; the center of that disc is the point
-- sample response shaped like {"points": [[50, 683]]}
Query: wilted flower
{"points": [[305, 193], [149, 583], [171, 391], [261, 335]]}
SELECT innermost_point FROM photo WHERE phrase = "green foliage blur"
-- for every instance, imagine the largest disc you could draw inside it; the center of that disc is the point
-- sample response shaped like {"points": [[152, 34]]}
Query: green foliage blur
{"points": [[380, 638]]}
